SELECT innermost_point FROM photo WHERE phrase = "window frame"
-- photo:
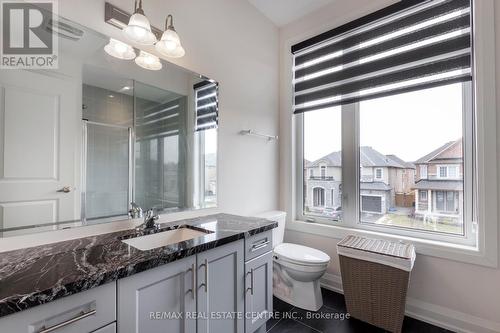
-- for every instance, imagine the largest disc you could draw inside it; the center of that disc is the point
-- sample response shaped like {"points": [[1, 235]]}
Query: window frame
{"points": [[485, 102], [351, 210], [381, 174], [423, 169]]}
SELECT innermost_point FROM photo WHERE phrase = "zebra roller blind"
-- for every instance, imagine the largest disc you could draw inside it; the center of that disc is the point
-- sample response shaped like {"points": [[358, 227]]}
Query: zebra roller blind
{"points": [[408, 46], [207, 105]]}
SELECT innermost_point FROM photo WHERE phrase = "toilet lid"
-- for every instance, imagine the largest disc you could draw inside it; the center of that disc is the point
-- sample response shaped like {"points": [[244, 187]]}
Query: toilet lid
{"points": [[301, 253]]}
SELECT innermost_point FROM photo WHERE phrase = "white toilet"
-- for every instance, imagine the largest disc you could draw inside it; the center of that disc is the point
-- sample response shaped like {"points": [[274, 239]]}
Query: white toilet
{"points": [[296, 269]]}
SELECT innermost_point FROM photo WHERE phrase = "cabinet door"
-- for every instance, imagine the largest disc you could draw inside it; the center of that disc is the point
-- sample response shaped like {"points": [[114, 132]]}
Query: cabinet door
{"points": [[220, 289], [258, 291], [111, 328], [158, 300]]}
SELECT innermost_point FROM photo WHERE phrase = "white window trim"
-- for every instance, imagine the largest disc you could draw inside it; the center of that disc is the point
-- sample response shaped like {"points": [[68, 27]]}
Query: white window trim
{"points": [[486, 251], [420, 196], [423, 175], [381, 173], [448, 167]]}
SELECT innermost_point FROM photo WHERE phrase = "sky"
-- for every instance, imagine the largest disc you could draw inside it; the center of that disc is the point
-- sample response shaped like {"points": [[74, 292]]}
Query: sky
{"points": [[408, 125]]}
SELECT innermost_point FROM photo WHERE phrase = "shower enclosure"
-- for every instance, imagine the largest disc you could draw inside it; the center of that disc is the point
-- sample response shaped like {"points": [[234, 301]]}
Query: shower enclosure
{"points": [[134, 150]]}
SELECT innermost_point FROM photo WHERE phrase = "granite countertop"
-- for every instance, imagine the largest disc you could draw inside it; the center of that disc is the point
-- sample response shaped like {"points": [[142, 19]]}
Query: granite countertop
{"points": [[41, 274]]}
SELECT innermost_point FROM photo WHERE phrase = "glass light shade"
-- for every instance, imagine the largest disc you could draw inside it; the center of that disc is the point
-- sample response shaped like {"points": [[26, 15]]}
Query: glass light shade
{"points": [[148, 61], [119, 50], [139, 30], [170, 44]]}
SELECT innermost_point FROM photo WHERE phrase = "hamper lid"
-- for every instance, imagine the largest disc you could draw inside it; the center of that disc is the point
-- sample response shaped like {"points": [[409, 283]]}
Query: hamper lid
{"points": [[396, 254]]}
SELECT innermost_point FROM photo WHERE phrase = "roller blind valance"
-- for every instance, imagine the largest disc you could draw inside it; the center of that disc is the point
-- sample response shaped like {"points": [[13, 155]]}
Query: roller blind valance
{"points": [[409, 46], [207, 105]]}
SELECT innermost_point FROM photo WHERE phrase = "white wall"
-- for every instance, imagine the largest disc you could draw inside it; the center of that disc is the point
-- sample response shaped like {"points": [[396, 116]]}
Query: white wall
{"points": [[233, 43], [441, 291]]}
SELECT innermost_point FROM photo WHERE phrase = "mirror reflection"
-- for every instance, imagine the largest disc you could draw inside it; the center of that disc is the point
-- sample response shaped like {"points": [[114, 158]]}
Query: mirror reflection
{"points": [[99, 136]]}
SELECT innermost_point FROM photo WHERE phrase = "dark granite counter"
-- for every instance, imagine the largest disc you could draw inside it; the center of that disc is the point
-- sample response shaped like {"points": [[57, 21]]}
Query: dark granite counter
{"points": [[41, 274]]}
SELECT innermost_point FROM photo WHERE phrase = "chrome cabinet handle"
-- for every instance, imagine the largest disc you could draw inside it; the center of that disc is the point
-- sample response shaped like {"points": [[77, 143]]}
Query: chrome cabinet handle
{"points": [[206, 276], [251, 282], [81, 316], [193, 280], [259, 246], [65, 189]]}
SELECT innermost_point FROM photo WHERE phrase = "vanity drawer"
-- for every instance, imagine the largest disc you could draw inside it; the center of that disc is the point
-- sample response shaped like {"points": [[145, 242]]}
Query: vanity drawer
{"points": [[79, 313], [258, 244]]}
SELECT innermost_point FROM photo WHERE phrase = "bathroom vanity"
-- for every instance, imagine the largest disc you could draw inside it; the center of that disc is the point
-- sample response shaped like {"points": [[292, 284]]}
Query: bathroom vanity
{"points": [[220, 281]]}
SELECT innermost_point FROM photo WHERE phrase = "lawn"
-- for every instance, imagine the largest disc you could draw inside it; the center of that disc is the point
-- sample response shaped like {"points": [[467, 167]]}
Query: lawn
{"points": [[400, 220]]}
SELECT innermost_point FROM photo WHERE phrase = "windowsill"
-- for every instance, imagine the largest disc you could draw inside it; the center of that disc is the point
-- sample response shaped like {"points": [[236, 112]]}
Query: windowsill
{"points": [[456, 252]]}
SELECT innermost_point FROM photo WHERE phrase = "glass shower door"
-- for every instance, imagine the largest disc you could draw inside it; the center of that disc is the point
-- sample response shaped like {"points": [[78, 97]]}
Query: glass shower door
{"points": [[107, 191]]}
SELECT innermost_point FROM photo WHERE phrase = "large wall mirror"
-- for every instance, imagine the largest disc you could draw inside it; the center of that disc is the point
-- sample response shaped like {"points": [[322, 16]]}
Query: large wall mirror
{"points": [[79, 143]]}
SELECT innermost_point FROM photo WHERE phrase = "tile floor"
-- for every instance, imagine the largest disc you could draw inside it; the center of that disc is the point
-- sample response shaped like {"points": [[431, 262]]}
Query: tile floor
{"points": [[329, 319]]}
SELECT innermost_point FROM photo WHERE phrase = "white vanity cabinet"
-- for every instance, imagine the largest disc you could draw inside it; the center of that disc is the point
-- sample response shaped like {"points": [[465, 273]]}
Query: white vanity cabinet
{"points": [[161, 299], [258, 281], [83, 312], [220, 297], [258, 291], [226, 289], [158, 300]]}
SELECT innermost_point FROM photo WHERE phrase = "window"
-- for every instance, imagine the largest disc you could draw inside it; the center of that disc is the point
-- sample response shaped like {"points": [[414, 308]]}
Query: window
{"points": [[423, 172], [443, 172], [397, 95], [319, 197], [322, 142], [323, 171], [453, 172], [449, 171], [446, 201], [384, 127], [422, 195]]}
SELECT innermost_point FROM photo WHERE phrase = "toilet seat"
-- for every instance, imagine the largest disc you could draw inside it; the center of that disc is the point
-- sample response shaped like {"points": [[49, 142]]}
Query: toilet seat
{"points": [[300, 255]]}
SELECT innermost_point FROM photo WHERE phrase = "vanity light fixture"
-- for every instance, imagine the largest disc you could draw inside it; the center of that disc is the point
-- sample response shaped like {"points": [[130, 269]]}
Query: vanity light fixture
{"points": [[119, 50], [170, 44], [148, 61], [139, 28]]}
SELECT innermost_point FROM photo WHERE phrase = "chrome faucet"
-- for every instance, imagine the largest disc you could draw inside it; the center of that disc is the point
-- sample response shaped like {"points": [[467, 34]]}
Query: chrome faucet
{"points": [[135, 212], [149, 223]]}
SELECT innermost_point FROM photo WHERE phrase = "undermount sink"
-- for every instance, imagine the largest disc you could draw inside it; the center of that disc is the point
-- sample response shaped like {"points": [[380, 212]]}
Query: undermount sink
{"points": [[164, 238]]}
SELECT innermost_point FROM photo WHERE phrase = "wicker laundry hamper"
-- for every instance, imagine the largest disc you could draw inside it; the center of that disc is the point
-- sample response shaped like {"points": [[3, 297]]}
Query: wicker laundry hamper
{"points": [[375, 276]]}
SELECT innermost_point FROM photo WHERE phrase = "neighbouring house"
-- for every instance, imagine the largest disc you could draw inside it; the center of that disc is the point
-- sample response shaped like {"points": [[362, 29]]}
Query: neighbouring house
{"points": [[382, 177], [439, 184]]}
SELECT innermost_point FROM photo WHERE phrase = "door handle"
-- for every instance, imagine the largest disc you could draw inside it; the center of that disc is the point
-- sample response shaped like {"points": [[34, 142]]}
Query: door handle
{"points": [[65, 189]]}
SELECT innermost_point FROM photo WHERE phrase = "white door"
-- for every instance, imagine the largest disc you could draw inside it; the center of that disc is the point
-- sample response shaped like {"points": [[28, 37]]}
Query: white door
{"points": [[39, 140]]}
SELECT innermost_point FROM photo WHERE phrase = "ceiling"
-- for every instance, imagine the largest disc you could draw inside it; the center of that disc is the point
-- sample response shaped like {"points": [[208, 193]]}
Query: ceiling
{"points": [[282, 12]]}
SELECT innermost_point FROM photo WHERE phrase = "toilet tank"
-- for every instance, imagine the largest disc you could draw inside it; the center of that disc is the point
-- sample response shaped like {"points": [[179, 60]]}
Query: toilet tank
{"points": [[279, 231]]}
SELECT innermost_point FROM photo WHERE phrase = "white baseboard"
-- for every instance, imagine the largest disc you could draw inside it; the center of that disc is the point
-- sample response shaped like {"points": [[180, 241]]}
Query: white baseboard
{"points": [[433, 314]]}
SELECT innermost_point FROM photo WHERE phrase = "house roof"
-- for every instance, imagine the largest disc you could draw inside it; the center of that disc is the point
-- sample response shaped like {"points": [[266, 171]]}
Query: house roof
{"points": [[433, 154], [377, 186], [407, 165], [443, 185], [369, 157], [333, 159]]}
